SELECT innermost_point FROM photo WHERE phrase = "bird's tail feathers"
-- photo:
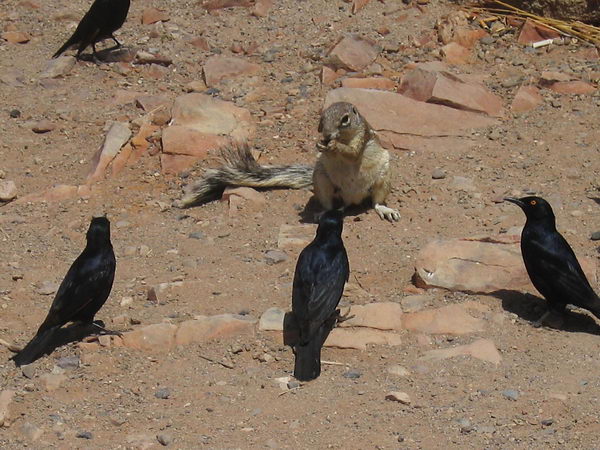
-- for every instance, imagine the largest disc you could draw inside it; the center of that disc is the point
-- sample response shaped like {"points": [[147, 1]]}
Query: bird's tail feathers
{"points": [[241, 169], [594, 307], [64, 47], [35, 348], [308, 360]]}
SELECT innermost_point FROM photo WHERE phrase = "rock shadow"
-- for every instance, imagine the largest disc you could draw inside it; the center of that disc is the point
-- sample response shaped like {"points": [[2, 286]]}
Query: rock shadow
{"points": [[110, 55], [530, 307]]}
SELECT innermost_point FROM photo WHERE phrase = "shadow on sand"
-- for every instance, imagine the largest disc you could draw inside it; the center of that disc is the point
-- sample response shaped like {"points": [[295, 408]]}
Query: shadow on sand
{"points": [[530, 308], [57, 338]]}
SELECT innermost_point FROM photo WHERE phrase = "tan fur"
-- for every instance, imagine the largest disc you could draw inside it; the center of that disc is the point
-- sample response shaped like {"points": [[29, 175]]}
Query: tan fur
{"points": [[352, 167]]}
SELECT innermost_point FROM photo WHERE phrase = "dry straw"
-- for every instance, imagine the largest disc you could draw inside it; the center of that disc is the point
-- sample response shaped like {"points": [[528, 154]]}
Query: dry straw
{"points": [[573, 28]]}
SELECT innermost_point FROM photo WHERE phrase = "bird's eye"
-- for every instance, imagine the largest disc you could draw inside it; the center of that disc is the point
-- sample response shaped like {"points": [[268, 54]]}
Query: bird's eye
{"points": [[345, 120], [533, 203]]}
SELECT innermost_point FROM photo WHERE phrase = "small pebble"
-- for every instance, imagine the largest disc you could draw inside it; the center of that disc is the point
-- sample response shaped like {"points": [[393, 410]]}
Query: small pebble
{"points": [[68, 362], [197, 235], [511, 394], [438, 174], [28, 371], [15, 113], [163, 393], [164, 439], [352, 374], [547, 422], [595, 236], [84, 435], [400, 397], [275, 257], [43, 126]]}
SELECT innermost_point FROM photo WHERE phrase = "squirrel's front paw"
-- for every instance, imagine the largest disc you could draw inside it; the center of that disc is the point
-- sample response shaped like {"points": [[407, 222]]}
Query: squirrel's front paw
{"points": [[387, 213]]}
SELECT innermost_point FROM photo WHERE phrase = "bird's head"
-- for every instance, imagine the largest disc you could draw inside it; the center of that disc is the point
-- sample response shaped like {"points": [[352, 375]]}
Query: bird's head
{"points": [[331, 221], [535, 208], [99, 231]]}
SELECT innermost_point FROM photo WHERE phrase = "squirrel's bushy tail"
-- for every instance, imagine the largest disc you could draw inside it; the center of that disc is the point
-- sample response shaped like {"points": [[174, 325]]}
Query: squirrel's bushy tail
{"points": [[241, 169]]}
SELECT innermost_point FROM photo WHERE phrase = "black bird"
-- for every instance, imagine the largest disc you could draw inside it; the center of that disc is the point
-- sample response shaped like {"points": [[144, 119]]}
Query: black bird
{"points": [[99, 23], [550, 261], [81, 294], [321, 272]]}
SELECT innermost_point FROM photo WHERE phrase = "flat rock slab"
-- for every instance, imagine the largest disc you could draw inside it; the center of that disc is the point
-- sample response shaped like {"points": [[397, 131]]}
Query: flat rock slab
{"points": [[478, 265], [381, 316], [272, 320], [396, 113], [444, 88], [6, 398], [526, 99], [117, 136], [205, 328], [162, 337], [387, 316], [483, 349], [213, 116], [218, 68], [353, 53], [199, 124], [57, 193], [452, 319], [359, 338], [291, 236]]}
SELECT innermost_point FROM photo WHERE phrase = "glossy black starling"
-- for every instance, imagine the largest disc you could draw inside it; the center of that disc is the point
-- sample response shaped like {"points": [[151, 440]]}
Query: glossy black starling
{"points": [[550, 261], [99, 23], [321, 272], [82, 293]]}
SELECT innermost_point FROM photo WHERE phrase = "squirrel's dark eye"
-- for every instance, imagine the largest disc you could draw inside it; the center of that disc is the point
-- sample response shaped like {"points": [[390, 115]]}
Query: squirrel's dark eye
{"points": [[533, 203], [345, 120]]}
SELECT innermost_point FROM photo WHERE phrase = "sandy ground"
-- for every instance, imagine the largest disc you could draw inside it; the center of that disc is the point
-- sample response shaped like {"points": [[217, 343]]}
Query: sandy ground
{"points": [[460, 403]]}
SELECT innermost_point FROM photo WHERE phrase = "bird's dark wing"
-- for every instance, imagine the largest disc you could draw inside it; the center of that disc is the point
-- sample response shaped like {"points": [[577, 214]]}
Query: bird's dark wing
{"points": [[89, 27], [117, 14], [558, 273], [89, 278], [319, 284]]}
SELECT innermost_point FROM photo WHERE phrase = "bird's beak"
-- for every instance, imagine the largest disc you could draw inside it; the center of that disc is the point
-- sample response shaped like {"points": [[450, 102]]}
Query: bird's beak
{"points": [[516, 201]]}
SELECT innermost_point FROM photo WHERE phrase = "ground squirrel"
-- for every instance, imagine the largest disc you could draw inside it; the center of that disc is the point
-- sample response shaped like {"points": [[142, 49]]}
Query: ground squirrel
{"points": [[352, 167]]}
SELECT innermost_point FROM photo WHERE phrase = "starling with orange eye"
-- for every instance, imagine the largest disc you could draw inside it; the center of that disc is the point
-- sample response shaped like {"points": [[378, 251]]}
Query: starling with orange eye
{"points": [[550, 261]]}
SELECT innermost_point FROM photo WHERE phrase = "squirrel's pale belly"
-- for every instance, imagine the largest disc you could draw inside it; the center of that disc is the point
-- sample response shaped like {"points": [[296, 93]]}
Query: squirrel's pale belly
{"points": [[354, 179]]}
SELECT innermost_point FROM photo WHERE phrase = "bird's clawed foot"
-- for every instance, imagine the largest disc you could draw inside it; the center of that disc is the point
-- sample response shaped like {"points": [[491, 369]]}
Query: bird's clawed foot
{"points": [[550, 318], [387, 213], [106, 332], [117, 43], [340, 318]]}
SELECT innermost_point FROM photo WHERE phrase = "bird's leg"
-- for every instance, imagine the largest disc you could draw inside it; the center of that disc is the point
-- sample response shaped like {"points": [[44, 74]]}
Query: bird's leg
{"points": [[118, 44], [557, 316], [104, 331], [538, 323], [114, 47], [95, 55], [340, 318]]}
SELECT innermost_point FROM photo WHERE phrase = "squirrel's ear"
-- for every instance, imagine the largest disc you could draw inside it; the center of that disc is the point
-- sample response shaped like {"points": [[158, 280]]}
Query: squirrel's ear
{"points": [[354, 110], [320, 129]]}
